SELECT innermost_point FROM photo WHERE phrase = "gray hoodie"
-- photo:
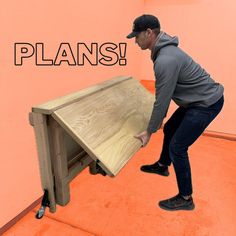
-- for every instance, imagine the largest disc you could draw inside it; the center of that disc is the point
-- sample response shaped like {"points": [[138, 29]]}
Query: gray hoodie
{"points": [[180, 78]]}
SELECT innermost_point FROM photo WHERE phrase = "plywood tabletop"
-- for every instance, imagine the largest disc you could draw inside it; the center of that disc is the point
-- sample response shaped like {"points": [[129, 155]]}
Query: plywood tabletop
{"points": [[104, 122]]}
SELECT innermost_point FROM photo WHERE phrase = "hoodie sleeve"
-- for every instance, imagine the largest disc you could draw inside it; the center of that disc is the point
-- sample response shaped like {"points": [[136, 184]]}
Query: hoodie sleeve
{"points": [[166, 73]]}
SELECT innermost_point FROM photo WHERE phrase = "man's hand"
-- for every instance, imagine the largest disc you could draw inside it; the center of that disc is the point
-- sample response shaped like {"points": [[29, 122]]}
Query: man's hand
{"points": [[144, 137]]}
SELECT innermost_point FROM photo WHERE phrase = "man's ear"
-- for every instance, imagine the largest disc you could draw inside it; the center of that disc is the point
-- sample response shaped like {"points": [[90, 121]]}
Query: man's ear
{"points": [[148, 32]]}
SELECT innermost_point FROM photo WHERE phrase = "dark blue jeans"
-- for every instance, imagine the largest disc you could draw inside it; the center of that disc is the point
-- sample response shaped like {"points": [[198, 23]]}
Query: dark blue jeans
{"points": [[180, 132]]}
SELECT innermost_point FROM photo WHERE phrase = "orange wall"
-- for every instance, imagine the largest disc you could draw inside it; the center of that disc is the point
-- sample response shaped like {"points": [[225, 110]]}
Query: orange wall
{"points": [[53, 22], [50, 22], [206, 30]]}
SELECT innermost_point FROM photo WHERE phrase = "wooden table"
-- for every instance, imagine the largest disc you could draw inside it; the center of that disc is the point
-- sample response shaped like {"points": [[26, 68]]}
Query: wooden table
{"points": [[93, 128]]}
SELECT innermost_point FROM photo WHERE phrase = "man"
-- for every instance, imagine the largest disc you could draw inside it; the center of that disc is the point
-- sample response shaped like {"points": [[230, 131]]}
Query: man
{"points": [[198, 96]]}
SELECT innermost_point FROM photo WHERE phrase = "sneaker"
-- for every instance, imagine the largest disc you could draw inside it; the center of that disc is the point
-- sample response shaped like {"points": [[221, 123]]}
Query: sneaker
{"points": [[156, 169], [177, 203]]}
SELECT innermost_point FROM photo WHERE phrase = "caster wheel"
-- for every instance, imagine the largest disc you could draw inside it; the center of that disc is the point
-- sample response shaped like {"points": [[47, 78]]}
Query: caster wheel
{"points": [[40, 213]]}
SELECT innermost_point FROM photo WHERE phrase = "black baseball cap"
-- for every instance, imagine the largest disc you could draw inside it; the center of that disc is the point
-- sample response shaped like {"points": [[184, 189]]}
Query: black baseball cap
{"points": [[143, 23]]}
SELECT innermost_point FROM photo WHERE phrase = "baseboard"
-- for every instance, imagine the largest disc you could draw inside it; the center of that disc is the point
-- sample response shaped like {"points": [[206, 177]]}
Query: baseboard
{"points": [[215, 134], [19, 216]]}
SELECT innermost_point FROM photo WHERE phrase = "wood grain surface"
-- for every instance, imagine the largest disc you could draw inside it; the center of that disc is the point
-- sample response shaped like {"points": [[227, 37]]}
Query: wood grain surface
{"points": [[104, 122]]}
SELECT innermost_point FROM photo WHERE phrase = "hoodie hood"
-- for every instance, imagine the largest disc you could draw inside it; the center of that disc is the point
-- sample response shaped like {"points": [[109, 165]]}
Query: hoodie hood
{"points": [[163, 40]]}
